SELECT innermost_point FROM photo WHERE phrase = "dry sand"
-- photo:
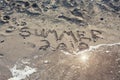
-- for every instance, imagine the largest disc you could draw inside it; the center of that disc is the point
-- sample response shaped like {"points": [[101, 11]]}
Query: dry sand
{"points": [[59, 44]]}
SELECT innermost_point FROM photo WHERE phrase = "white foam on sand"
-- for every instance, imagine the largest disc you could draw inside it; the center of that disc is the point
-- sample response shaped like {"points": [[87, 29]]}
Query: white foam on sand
{"points": [[26, 61], [91, 48], [19, 74]]}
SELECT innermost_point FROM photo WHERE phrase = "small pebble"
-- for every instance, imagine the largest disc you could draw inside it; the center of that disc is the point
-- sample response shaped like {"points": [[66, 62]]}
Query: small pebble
{"points": [[46, 61], [1, 55]]}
